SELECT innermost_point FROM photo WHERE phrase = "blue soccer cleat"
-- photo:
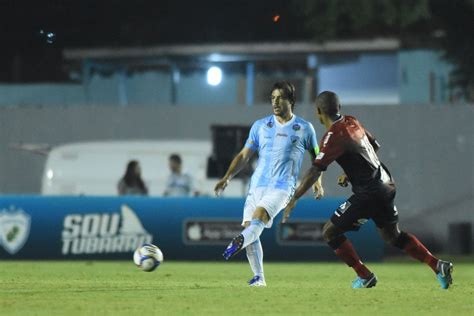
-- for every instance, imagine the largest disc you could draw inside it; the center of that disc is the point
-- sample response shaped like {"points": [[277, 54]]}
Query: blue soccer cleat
{"points": [[360, 283], [234, 247], [444, 277], [257, 281]]}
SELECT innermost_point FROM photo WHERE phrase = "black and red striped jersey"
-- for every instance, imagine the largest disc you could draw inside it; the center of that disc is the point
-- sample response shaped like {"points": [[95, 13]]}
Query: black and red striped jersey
{"points": [[354, 149]]}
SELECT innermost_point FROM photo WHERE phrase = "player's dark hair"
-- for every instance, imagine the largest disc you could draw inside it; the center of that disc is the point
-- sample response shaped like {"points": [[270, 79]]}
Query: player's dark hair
{"points": [[329, 103], [288, 91], [176, 158], [131, 178]]}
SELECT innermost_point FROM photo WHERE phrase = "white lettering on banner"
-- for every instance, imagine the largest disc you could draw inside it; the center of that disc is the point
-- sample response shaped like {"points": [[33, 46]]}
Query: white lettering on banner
{"points": [[97, 233], [71, 229], [90, 225], [109, 227]]}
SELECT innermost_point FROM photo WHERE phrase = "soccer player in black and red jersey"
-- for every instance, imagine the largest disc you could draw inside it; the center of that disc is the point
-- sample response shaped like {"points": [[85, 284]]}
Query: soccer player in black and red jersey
{"points": [[354, 148]]}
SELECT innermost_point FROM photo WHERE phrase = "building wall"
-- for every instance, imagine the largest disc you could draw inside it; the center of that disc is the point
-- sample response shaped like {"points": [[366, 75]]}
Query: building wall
{"points": [[149, 88], [369, 78], [194, 90], [423, 77], [406, 77], [47, 94]]}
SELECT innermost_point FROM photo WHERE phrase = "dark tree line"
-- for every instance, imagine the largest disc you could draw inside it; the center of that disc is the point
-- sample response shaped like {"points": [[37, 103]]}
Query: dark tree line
{"points": [[442, 24]]}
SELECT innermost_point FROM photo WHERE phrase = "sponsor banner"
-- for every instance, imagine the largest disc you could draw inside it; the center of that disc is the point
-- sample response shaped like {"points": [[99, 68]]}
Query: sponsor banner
{"points": [[36, 227], [98, 233], [301, 233], [217, 232]]}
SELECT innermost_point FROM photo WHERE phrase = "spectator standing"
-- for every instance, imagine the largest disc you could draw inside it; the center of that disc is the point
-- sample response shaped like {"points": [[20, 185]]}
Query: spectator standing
{"points": [[179, 183], [132, 182]]}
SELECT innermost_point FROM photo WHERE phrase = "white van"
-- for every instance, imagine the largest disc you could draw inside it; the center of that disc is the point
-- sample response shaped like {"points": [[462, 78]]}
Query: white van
{"points": [[94, 168]]}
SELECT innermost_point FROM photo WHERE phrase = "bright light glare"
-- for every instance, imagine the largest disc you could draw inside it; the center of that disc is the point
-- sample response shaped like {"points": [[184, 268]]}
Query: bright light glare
{"points": [[214, 76], [50, 174]]}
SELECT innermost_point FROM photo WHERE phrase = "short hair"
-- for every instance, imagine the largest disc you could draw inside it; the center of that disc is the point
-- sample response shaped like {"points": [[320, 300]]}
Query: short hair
{"points": [[176, 158], [328, 102], [288, 91]]}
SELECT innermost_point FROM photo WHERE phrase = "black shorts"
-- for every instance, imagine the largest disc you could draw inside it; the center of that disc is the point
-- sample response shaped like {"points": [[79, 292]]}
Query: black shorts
{"points": [[358, 209]]}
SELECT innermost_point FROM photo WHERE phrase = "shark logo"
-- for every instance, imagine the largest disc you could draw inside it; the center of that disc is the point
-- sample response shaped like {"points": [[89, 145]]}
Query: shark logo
{"points": [[294, 139], [14, 229], [103, 233], [130, 222]]}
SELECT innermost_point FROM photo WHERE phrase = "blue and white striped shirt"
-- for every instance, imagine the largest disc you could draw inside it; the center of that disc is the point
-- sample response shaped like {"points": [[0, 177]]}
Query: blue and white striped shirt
{"points": [[281, 149]]}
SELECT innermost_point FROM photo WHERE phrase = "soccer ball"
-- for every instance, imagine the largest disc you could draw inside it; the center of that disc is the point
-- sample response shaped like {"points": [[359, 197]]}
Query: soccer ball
{"points": [[148, 257]]}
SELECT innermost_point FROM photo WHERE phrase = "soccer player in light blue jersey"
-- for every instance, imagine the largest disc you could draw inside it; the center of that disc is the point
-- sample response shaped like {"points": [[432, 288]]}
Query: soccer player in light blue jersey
{"points": [[281, 140]]}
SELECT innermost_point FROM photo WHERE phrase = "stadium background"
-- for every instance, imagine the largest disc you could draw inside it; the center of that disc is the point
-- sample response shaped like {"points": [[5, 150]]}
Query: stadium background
{"points": [[428, 148]]}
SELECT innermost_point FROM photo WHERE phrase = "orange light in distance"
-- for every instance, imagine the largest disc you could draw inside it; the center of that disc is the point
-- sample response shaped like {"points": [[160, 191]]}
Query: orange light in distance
{"points": [[276, 18]]}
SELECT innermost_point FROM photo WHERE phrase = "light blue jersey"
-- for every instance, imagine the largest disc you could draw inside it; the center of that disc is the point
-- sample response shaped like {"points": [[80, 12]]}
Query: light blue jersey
{"points": [[281, 149]]}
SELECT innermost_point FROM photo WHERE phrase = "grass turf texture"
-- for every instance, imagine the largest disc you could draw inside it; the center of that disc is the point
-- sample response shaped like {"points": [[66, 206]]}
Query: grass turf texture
{"points": [[202, 288]]}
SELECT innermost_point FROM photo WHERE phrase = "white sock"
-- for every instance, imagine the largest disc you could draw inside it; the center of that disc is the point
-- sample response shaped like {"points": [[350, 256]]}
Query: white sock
{"points": [[252, 232], [255, 257]]}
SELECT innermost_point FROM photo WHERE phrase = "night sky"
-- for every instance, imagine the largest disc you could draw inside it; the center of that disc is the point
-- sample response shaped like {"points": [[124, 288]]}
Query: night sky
{"points": [[145, 22], [34, 33]]}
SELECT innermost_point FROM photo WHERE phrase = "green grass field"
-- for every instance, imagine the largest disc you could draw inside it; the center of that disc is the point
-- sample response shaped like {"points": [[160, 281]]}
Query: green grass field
{"points": [[202, 288]]}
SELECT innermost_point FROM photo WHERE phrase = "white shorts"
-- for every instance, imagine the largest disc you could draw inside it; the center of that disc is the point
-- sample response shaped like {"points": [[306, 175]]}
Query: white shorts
{"points": [[272, 200]]}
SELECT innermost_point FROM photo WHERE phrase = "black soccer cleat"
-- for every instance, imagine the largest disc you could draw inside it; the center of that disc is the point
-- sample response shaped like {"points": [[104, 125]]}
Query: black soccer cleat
{"points": [[445, 269], [234, 247]]}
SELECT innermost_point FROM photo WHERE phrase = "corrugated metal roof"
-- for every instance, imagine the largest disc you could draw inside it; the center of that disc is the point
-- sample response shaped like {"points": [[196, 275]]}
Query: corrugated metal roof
{"points": [[215, 52]]}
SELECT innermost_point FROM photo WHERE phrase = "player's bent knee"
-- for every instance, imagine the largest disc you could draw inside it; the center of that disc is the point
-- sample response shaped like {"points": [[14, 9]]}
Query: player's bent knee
{"points": [[392, 237], [333, 235], [329, 231], [402, 240], [391, 240], [261, 214], [337, 241]]}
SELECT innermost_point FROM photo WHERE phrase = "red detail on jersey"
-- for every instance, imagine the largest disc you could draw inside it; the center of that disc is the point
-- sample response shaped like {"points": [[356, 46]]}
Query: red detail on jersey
{"points": [[352, 146]]}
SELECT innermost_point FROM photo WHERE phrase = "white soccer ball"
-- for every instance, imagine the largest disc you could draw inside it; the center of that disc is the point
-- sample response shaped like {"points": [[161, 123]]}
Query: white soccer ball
{"points": [[148, 257]]}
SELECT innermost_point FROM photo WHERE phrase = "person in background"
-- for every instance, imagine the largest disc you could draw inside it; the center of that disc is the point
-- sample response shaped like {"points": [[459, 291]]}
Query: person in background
{"points": [[179, 183], [132, 183]]}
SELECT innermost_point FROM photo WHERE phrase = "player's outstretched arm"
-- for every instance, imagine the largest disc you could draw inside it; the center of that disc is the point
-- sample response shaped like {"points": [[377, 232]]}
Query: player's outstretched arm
{"points": [[288, 209], [236, 165], [318, 189], [309, 179]]}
